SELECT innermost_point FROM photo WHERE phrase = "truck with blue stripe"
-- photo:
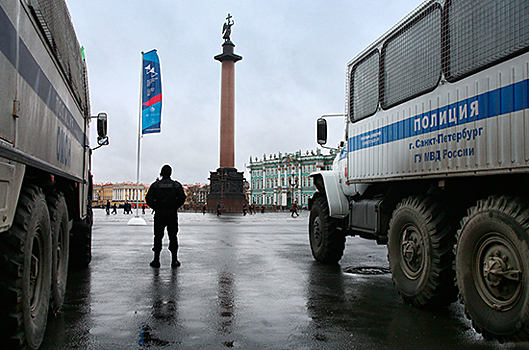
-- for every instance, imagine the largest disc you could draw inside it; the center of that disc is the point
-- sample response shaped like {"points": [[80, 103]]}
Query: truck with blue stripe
{"points": [[45, 179], [435, 161]]}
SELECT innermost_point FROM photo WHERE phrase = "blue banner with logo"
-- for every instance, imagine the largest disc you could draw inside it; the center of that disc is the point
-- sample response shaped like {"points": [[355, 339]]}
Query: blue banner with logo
{"points": [[151, 113]]}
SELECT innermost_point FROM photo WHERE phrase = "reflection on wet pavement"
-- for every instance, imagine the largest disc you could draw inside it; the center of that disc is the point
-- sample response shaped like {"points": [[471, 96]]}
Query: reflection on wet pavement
{"points": [[164, 303], [226, 302]]}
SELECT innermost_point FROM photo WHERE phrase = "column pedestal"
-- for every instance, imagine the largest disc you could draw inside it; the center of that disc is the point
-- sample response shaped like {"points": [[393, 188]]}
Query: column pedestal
{"points": [[226, 188]]}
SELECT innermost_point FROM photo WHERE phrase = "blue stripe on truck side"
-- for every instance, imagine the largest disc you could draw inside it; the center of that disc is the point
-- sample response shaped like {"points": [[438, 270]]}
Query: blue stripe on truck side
{"points": [[508, 99], [8, 37]]}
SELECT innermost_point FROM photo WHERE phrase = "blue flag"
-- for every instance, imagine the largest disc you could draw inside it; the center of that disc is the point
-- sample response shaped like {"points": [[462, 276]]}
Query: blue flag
{"points": [[151, 101]]}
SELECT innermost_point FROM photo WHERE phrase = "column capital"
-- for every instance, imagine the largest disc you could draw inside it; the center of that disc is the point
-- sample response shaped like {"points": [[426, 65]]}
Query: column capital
{"points": [[227, 53]]}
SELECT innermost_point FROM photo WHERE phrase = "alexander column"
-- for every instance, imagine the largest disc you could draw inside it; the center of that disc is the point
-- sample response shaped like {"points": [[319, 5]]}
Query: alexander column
{"points": [[226, 184]]}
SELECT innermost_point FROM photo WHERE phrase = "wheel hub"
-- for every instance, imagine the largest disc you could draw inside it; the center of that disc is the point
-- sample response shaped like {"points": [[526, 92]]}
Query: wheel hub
{"points": [[412, 252], [35, 277], [317, 231], [499, 277], [409, 251]]}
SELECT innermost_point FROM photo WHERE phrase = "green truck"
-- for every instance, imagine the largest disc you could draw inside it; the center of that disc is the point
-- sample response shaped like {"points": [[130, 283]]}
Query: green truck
{"points": [[45, 179]]}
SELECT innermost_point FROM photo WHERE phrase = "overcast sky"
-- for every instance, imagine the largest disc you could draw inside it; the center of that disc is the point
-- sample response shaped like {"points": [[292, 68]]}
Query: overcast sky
{"points": [[293, 70]]}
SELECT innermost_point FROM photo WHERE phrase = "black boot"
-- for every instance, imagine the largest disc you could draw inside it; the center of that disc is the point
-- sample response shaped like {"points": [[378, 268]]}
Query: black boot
{"points": [[156, 261], [175, 262]]}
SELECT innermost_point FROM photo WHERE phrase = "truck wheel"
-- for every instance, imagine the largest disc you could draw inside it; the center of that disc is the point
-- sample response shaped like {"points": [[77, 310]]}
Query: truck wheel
{"points": [[81, 242], [420, 253], [61, 247], [326, 242], [492, 268], [25, 273]]}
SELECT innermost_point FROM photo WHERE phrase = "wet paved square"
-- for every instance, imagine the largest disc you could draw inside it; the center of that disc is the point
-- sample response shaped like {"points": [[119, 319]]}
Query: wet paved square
{"points": [[246, 282]]}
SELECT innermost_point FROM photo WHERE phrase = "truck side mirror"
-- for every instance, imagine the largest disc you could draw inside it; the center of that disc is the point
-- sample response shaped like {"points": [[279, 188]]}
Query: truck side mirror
{"points": [[321, 131], [102, 125]]}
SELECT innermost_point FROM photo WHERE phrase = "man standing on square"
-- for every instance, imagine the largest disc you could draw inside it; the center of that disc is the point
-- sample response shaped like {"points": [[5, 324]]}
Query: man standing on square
{"points": [[165, 196]]}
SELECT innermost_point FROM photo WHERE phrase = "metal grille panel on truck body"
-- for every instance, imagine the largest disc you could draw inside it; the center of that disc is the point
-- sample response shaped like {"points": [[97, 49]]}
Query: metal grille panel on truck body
{"points": [[453, 94]]}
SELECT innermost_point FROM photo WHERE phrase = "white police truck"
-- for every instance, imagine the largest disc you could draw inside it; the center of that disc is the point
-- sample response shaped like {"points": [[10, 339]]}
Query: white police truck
{"points": [[45, 180], [435, 161]]}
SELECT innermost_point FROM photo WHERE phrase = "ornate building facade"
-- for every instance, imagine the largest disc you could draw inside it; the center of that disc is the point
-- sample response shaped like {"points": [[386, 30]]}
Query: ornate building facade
{"points": [[196, 195], [279, 180], [118, 193]]}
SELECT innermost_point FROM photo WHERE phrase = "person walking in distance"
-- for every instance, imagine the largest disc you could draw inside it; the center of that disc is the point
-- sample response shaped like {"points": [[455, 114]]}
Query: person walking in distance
{"points": [[294, 209], [165, 196]]}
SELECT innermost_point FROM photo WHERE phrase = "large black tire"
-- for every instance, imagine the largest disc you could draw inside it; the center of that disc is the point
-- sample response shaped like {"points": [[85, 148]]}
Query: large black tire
{"points": [[25, 273], [420, 253], [326, 241], [492, 268], [81, 235], [81, 242], [61, 247]]}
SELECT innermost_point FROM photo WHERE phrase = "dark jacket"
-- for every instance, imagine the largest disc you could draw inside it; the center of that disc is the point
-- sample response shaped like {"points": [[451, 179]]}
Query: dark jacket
{"points": [[165, 195]]}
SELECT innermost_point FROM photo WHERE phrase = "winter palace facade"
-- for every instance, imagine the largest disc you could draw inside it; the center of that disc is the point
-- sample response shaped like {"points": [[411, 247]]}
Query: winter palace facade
{"points": [[279, 180]]}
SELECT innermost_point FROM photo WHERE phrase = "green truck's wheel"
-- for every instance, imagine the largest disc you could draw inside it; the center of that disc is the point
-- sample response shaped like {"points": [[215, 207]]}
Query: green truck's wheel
{"points": [[26, 274], [326, 241], [420, 252], [492, 268]]}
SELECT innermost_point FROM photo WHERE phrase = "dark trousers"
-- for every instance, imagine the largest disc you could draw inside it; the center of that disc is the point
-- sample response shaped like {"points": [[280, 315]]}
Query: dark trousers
{"points": [[161, 221]]}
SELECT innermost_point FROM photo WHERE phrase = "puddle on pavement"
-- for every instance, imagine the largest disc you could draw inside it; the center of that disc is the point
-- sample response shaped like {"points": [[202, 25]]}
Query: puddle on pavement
{"points": [[367, 270]]}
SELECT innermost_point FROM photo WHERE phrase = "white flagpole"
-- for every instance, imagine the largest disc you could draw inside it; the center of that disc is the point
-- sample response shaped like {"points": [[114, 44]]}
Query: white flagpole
{"points": [[137, 220]]}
